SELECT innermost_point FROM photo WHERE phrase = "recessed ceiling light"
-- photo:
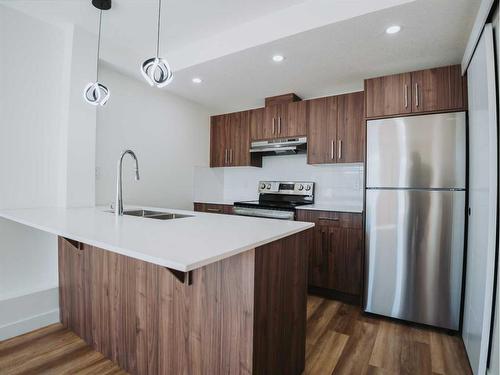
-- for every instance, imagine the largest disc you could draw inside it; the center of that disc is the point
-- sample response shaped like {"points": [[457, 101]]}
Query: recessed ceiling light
{"points": [[196, 80], [393, 29], [278, 58]]}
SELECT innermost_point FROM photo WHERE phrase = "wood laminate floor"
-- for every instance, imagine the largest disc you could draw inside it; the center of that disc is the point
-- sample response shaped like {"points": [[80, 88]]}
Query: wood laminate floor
{"points": [[340, 340], [343, 340]]}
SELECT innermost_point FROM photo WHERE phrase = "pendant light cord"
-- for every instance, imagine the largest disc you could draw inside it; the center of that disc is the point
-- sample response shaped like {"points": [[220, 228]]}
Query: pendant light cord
{"points": [[158, 31], [98, 47]]}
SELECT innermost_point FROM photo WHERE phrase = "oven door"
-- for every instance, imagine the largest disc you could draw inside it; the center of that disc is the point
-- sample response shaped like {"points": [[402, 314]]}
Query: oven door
{"points": [[263, 212]]}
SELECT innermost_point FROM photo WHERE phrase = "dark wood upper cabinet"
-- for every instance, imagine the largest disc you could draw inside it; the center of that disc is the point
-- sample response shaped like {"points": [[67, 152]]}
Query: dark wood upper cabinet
{"points": [[270, 124], [219, 140], [322, 119], [438, 89], [388, 96], [256, 123], [293, 119], [283, 121], [336, 129], [425, 91], [230, 141], [350, 128]]}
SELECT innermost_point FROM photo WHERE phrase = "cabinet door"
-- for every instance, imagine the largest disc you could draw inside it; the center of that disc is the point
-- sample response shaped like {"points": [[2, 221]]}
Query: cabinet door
{"points": [[344, 258], [318, 257], [439, 89], [293, 119], [351, 128], [219, 134], [213, 208], [336, 251], [256, 124], [322, 118], [239, 149], [270, 128], [388, 96]]}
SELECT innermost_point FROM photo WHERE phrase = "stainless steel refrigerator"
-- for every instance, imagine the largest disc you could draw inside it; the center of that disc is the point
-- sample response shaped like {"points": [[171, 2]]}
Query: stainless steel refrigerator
{"points": [[415, 218]]}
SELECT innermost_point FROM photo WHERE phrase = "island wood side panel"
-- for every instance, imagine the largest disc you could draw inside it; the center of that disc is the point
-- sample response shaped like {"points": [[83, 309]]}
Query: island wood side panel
{"points": [[281, 306], [242, 315]]}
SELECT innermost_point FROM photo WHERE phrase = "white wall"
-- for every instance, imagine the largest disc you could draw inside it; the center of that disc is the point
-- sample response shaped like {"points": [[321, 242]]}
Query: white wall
{"points": [[335, 183], [79, 132], [44, 141], [170, 136], [30, 150]]}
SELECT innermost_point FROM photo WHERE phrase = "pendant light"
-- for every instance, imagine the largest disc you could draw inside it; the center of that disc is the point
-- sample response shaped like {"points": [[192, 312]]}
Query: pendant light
{"points": [[156, 70], [96, 93]]}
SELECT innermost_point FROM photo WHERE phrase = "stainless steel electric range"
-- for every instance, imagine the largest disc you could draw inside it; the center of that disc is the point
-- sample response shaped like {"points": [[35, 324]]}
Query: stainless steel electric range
{"points": [[277, 200]]}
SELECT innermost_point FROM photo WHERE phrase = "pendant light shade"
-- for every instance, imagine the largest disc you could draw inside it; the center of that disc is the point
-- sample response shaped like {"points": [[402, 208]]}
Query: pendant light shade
{"points": [[156, 70], [96, 93]]}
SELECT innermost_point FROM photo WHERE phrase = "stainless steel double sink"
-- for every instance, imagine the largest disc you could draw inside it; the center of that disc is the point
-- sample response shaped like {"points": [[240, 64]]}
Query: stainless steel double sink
{"points": [[154, 214]]}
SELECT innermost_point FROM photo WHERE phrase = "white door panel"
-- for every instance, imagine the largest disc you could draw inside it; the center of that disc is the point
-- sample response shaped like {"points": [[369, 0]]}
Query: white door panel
{"points": [[481, 247]]}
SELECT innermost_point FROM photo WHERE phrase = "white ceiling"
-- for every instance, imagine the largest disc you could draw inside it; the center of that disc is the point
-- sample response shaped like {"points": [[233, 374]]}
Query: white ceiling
{"points": [[330, 45], [335, 58]]}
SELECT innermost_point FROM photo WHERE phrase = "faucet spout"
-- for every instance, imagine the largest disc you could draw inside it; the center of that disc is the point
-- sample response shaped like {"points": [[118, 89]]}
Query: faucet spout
{"points": [[119, 180]]}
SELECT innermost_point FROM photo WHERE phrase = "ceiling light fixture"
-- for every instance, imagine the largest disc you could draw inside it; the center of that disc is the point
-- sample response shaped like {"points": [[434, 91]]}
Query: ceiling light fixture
{"points": [[278, 58], [156, 70], [96, 93], [393, 29], [196, 80]]}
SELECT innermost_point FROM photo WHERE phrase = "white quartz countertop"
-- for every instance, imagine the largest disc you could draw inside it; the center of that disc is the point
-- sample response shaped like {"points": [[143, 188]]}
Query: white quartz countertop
{"points": [[182, 244], [337, 207]]}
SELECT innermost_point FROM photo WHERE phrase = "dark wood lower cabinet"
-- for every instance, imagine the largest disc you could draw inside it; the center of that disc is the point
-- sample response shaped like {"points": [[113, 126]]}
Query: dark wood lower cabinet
{"points": [[243, 315], [335, 254], [213, 208]]}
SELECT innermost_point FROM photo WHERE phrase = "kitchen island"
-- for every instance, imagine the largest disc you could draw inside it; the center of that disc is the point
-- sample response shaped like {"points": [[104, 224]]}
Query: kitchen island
{"points": [[202, 294]]}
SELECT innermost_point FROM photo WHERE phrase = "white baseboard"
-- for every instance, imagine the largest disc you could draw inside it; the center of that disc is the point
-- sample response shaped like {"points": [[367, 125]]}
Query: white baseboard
{"points": [[29, 312]]}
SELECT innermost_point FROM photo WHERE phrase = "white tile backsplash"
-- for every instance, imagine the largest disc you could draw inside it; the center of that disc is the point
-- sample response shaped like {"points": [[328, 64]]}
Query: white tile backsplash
{"points": [[335, 183]]}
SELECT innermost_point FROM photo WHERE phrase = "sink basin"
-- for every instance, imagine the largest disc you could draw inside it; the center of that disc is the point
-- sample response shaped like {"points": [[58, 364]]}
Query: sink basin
{"points": [[158, 215]]}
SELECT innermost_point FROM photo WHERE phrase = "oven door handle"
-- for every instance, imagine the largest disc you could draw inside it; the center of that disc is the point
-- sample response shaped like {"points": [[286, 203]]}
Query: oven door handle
{"points": [[258, 212]]}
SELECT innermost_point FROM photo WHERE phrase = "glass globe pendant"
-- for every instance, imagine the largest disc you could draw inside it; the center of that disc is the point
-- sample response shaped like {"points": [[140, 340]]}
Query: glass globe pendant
{"points": [[156, 70], [96, 93]]}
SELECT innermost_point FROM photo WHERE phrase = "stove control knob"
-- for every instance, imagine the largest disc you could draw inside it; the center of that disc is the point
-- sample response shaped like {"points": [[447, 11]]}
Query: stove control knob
{"points": [[262, 186], [301, 187], [308, 187], [268, 186]]}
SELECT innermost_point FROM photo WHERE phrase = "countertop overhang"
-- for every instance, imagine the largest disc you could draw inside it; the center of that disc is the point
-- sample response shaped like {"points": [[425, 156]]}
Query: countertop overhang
{"points": [[182, 244]]}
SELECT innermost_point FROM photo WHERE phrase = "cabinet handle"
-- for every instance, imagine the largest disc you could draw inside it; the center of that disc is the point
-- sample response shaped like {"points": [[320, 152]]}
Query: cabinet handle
{"points": [[406, 96], [279, 125], [214, 210], [274, 124], [417, 103], [225, 156], [329, 218], [231, 156], [340, 149], [333, 150]]}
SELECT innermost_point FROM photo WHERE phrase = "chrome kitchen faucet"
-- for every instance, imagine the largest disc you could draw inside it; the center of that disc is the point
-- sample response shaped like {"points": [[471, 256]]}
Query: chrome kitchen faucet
{"points": [[119, 181]]}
